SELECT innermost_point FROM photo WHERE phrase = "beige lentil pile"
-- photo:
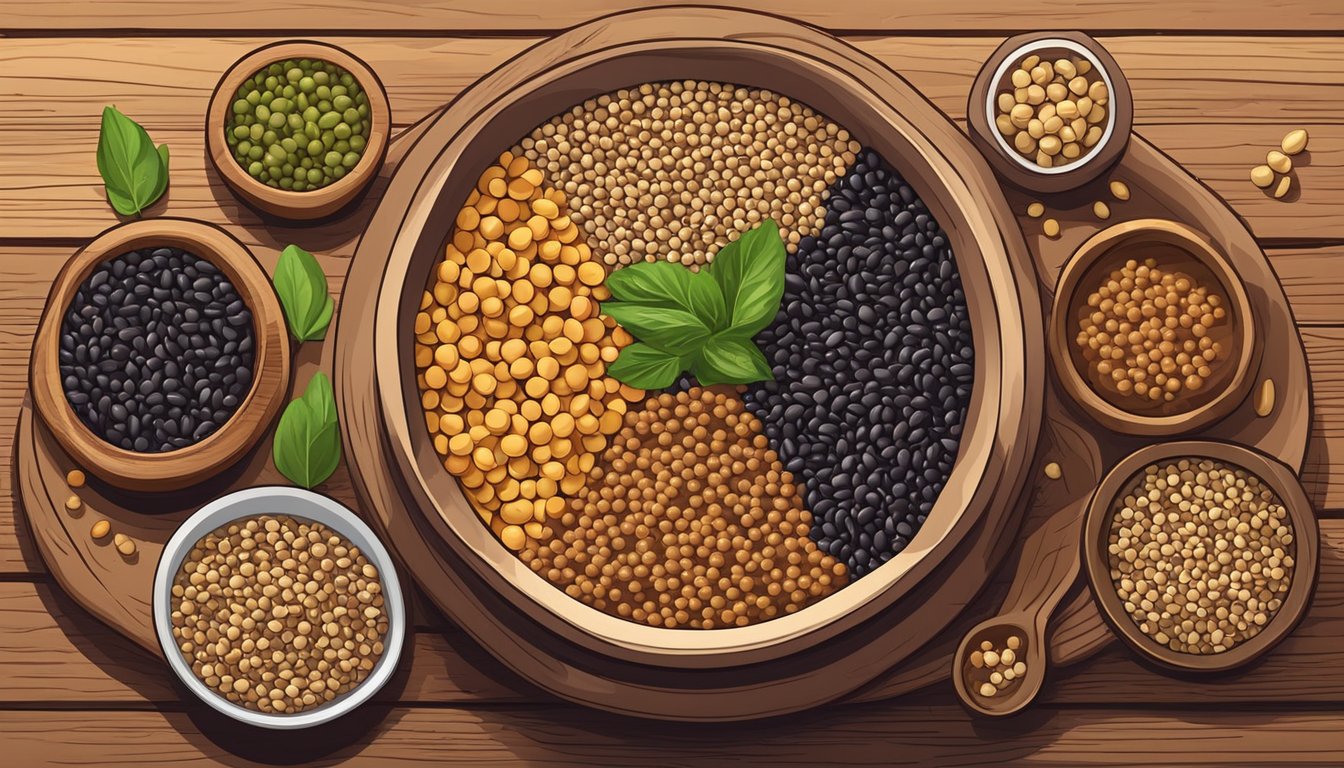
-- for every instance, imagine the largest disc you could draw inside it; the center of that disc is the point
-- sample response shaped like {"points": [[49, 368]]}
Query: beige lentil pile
{"points": [[690, 520], [994, 668], [1053, 112], [1201, 554], [1145, 332], [673, 171], [278, 615], [511, 353]]}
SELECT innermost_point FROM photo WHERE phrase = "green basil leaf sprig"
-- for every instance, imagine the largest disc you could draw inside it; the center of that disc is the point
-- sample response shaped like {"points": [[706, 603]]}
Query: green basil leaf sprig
{"points": [[699, 321], [307, 445], [134, 171], [302, 287]]}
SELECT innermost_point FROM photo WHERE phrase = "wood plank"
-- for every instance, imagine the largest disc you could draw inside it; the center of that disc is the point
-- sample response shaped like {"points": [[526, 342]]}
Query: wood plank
{"points": [[863, 15], [52, 651], [1191, 92], [940, 733]]}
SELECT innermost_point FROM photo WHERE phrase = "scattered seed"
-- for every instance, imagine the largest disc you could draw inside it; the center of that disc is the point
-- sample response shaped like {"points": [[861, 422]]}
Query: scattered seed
{"points": [[1119, 190], [1262, 176], [73, 502], [74, 478], [1053, 471], [1285, 184], [100, 529], [1101, 210], [1294, 142], [1035, 210], [1264, 398], [125, 544], [1278, 161], [1050, 227]]}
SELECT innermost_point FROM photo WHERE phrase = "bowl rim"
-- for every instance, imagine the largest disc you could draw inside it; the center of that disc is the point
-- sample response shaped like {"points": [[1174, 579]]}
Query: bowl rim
{"points": [[1200, 248], [285, 203], [318, 508], [991, 94], [180, 468], [997, 399], [1271, 471]]}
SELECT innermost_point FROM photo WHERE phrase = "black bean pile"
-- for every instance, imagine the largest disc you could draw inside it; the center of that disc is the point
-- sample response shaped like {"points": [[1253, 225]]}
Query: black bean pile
{"points": [[873, 363], [156, 350]]}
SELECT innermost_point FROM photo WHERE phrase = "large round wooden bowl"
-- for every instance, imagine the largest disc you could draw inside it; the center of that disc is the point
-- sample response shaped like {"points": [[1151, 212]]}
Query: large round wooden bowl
{"points": [[183, 467], [839, 643]]}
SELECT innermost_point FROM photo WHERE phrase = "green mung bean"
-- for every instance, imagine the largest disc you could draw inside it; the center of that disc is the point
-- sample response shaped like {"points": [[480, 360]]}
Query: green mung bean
{"points": [[299, 124]]}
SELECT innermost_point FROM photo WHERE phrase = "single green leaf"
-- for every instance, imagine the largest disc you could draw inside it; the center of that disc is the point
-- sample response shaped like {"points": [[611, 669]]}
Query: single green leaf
{"points": [[640, 365], [705, 301], [672, 330], [729, 359], [750, 272], [307, 445], [663, 284], [133, 171], [302, 287]]}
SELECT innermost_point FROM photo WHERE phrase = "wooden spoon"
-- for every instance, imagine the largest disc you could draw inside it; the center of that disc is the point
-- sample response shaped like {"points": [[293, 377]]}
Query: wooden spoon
{"points": [[1049, 565]]}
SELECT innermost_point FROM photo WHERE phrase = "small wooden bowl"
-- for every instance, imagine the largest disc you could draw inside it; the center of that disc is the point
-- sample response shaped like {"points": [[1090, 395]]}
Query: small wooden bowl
{"points": [[288, 204], [1280, 479], [169, 470], [1175, 246], [994, 76]]}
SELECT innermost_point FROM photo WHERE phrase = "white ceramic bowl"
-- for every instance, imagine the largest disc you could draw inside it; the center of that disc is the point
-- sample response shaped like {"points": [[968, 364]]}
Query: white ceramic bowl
{"points": [[298, 503]]}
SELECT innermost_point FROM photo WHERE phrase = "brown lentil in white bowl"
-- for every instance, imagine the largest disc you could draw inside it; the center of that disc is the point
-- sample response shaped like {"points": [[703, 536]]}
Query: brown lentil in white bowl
{"points": [[363, 576]]}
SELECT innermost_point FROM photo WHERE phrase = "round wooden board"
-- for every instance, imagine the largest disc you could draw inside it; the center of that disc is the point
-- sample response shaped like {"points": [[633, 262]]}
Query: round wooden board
{"points": [[116, 589]]}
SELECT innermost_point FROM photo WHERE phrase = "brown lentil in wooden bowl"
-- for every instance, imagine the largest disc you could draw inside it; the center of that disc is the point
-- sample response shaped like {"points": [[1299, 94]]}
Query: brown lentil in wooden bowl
{"points": [[1152, 331], [1202, 555]]}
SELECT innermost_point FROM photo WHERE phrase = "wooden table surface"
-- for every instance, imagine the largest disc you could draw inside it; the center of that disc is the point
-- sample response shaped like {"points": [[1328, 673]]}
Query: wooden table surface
{"points": [[1216, 82]]}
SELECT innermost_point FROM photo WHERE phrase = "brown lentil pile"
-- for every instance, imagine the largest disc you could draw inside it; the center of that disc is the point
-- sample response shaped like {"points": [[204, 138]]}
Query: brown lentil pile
{"points": [[511, 353], [993, 669], [1201, 554], [278, 615], [1053, 112], [671, 171], [1146, 332], [689, 521]]}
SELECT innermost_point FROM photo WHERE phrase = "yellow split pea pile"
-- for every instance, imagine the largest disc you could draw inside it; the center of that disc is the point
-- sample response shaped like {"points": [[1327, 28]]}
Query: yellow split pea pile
{"points": [[689, 521], [511, 353], [668, 171], [1146, 332], [1201, 554], [277, 614]]}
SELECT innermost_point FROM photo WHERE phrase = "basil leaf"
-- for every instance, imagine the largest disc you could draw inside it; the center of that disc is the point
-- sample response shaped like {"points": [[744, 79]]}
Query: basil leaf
{"points": [[302, 287], [728, 359], [134, 172], [642, 366], [663, 284], [750, 272], [307, 445], [672, 330]]}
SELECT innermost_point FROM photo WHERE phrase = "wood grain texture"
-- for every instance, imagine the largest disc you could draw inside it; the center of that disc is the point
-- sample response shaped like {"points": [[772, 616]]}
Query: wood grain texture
{"points": [[861, 15], [1214, 104], [936, 733]]}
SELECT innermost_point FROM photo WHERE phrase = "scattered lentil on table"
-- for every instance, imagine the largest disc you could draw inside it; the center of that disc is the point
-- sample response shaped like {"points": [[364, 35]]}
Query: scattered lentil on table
{"points": [[689, 520], [1053, 112], [156, 350], [873, 363], [299, 124], [100, 529], [1146, 332], [277, 614], [670, 171], [75, 478], [512, 351], [1201, 554]]}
